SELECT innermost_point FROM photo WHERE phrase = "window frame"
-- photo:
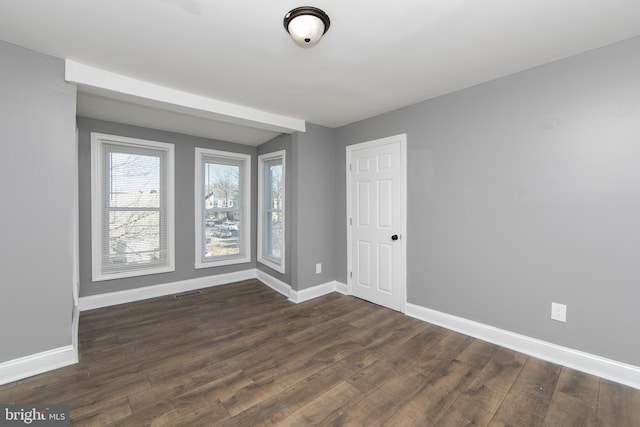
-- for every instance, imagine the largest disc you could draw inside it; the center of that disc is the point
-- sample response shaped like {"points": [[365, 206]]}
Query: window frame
{"points": [[263, 210], [98, 206], [244, 240]]}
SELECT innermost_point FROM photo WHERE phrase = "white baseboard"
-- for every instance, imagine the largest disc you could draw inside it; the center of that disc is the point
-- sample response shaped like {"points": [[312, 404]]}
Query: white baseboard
{"points": [[35, 364], [303, 294], [311, 293], [120, 297], [606, 368], [342, 288], [275, 284]]}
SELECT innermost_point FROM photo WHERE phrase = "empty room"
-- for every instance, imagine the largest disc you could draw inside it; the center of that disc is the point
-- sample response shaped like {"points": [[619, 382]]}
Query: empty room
{"points": [[411, 213]]}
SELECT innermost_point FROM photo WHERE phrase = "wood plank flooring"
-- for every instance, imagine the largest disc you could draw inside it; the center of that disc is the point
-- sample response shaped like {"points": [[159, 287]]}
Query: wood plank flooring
{"points": [[242, 355]]}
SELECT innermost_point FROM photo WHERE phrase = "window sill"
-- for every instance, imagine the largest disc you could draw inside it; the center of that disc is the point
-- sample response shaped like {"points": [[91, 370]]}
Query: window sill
{"points": [[272, 265], [221, 262], [132, 273]]}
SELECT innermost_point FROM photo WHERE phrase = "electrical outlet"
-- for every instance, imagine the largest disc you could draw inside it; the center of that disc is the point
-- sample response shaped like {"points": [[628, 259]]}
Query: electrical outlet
{"points": [[558, 312], [319, 268]]}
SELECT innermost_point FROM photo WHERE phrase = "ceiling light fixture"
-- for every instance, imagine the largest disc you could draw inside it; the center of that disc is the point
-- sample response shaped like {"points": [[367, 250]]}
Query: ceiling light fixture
{"points": [[306, 25]]}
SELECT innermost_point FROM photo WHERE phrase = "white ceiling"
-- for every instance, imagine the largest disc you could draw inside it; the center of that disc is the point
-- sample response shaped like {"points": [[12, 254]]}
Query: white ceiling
{"points": [[376, 57]]}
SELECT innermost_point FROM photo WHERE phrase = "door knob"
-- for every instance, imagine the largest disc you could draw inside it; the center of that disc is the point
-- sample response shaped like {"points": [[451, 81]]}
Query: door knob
{"points": [[394, 237]]}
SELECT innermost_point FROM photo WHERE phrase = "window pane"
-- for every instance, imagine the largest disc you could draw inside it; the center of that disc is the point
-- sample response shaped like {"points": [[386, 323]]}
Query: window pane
{"points": [[222, 234], [134, 237], [274, 186], [221, 186], [134, 180], [274, 235], [133, 204]]}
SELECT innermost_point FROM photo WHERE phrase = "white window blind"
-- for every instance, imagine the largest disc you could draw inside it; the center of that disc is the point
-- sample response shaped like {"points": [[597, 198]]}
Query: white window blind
{"points": [[132, 207]]}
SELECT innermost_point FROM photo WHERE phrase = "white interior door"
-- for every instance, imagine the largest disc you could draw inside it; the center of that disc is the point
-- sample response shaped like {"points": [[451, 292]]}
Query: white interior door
{"points": [[376, 221]]}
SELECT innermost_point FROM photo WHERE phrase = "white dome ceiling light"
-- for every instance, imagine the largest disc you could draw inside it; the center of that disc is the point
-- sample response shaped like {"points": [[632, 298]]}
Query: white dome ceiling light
{"points": [[306, 25]]}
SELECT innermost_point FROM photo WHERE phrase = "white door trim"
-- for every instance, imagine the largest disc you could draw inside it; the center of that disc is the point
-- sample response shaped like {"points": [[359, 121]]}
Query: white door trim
{"points": [[402, 139]]}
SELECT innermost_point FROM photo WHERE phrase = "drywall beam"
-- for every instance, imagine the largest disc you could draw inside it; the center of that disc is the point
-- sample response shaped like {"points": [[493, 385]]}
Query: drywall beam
{"points": [[116, 86]]}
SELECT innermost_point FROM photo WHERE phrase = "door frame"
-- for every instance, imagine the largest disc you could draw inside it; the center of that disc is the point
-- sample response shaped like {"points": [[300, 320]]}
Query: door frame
{"points": [[402, 139]]}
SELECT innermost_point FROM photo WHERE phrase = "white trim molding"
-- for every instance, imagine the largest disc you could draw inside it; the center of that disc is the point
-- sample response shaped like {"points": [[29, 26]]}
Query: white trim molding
{"points": [[342, 288], [38, 363], [275, 284], [302, 295], [312, 293], [92, 302], [121, 297], [596, 365]]}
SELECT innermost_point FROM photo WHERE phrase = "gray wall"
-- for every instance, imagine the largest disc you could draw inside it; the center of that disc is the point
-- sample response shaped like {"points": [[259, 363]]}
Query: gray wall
{"points": [[184, 209], [37, 168], [524, 191], [279, 143], [316, 208]]}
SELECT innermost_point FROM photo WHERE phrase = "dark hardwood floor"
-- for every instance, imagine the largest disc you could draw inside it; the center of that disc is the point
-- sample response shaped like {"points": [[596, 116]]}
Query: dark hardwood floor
{"points": [[242, 355]]}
